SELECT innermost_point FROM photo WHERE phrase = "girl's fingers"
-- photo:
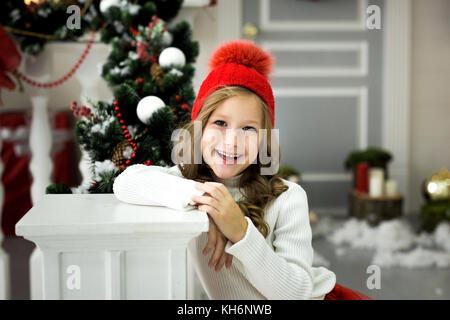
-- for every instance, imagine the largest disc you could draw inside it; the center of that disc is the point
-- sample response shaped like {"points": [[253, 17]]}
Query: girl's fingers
{"points": [[208, 209], [215, 189], [221, 262], [219, 250], [212, 237], [206, 200], [229, 260]]}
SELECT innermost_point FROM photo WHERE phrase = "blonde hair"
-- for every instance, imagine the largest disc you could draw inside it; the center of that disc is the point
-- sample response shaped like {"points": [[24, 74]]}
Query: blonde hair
{"points": [[258, 190]]}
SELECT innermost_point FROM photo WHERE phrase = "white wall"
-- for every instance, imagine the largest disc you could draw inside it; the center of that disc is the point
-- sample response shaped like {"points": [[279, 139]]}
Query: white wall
{"points": [[430, 94], [213, 26]]}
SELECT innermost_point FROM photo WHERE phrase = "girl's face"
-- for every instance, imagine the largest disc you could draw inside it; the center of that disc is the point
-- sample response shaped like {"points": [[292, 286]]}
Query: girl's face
{"points": [[230, 139]]}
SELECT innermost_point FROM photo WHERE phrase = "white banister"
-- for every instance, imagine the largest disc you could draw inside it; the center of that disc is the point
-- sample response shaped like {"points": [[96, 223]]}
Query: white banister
{"points": [[4, 259], [97, 247], [39, 69]]}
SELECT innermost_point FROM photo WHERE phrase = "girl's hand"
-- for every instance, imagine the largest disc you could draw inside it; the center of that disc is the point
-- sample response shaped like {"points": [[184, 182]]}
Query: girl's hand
{"points": [[220, 205], [218, 241]]}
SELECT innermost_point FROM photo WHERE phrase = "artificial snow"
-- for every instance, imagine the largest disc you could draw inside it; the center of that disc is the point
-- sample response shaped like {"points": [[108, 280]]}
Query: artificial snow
{"points": [[15, 15], [126, 71], [44, 12], [324, 226], [176, 72], [390, 235], [133, 55], [134, 9], [132, 129], [80, 190], [103, 166], [416, 258], [118, 26], [395, 243], [101, 126], [127, 152], [442, 236], [115, 71]]}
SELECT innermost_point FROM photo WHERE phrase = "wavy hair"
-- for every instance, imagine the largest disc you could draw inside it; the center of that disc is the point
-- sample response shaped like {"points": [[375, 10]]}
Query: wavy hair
{"points": [[257, 190]]}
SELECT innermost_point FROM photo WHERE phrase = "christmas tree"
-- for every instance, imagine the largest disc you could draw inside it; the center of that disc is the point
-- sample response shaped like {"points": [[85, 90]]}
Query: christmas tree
{"points": [[149, 70]]}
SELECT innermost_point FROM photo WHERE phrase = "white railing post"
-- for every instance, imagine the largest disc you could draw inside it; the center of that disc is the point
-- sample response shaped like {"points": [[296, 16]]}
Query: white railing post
{"points": [[39, 69], [4, 259], [41, 164]]}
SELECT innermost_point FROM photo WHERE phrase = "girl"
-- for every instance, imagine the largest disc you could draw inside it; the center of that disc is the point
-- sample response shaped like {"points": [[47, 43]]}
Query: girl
{"points": [[259, 223]]}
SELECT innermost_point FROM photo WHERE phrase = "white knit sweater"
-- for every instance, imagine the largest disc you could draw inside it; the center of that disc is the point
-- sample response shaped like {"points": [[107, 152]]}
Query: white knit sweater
{"points": [[276, 267]]}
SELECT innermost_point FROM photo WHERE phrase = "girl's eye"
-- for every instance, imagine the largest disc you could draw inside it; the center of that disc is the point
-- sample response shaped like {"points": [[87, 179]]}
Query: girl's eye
{"points": [[220, 122]]}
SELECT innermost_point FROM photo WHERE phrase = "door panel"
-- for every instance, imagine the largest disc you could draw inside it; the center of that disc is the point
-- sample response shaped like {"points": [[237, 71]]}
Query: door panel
{"points": [[327, 87]]}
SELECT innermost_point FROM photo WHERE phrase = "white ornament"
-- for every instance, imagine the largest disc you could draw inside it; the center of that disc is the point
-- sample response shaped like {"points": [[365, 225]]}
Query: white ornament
{"points": [[172, 57], [167, 39], [147, 106], [106, 4]]}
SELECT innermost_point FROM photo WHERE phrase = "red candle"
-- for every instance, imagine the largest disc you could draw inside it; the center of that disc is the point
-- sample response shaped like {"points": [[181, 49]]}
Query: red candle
{"points": [[362, 177]]}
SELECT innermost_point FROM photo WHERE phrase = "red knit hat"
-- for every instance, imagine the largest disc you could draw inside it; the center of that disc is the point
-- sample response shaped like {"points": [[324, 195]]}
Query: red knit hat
{"points": [[239, 63]]}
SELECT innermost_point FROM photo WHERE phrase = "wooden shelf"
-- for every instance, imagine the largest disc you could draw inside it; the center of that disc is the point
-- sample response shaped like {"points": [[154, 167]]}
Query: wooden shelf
{"points": [[374, 209], [366, 196]]}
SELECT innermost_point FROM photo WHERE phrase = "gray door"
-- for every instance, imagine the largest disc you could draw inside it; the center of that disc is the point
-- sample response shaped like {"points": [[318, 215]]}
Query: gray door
{"points": [[327, 88]]}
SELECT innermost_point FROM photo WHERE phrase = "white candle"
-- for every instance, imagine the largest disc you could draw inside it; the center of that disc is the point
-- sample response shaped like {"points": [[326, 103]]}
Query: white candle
{"points": [[376, 182], [391, 187]]}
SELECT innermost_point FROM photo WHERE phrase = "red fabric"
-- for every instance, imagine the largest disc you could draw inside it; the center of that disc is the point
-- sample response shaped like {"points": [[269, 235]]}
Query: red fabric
{"points": [[242, 64], [242, 52], [64, 162], [343, 293], [17, 178], [10, 59]]}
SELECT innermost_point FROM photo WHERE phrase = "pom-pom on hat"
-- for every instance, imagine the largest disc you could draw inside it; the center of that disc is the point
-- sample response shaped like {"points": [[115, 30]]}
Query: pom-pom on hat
{"points": [[239, 63]]}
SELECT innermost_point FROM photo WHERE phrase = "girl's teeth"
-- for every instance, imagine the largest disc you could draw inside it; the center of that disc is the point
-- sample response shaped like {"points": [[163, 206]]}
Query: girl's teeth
{"points": [[227, 155]]}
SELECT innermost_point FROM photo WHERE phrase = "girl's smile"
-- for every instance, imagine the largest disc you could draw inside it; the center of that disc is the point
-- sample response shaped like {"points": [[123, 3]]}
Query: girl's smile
{"points": [[227, 158]]}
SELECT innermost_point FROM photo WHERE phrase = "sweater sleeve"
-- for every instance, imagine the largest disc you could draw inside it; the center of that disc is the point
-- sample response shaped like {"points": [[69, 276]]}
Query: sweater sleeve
{"points": [[283, 272], [155, 186]]}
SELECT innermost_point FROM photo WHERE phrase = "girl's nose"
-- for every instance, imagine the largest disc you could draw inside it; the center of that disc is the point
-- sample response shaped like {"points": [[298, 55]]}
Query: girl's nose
{"points": [[233, 138], [230, 137]]}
